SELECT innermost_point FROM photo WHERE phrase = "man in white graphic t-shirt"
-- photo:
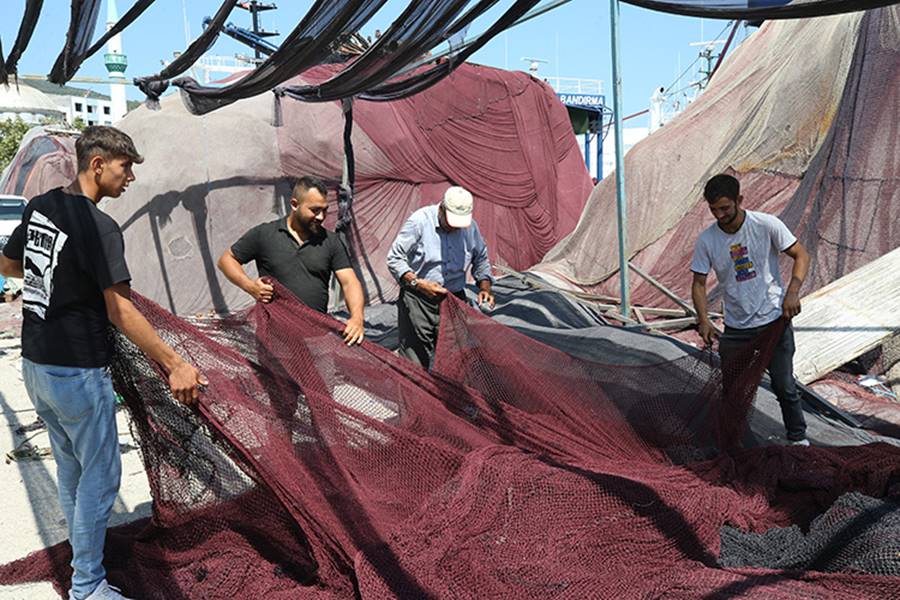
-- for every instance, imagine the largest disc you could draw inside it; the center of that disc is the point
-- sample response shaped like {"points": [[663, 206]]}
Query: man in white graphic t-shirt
{"points": [[742, 247]]}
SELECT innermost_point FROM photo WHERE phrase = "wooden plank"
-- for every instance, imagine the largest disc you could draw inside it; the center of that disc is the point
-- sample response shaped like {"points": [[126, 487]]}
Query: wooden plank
{"points": [[847, 318], [668, 293], [671, 312], [639, 314], [823, 406], [666, 324]]}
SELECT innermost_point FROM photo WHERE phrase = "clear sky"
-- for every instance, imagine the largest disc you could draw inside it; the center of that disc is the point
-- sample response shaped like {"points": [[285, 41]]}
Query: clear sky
{"points": [[573, 38]]}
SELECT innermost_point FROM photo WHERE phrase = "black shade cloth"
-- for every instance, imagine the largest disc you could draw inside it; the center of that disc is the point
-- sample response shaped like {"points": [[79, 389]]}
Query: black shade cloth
{"points": [[154, 85], [309, 44], [422, 26], [376, 75], [26, 28], [401, 88], [345, 190], [81, 30], [759, 9]]}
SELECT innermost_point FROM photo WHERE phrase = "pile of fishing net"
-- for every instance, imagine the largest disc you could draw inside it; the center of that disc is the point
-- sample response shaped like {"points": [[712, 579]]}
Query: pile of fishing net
{"points": [[513, 470]]}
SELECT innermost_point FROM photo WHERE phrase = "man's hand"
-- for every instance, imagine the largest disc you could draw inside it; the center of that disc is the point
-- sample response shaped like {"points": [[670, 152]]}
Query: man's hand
{"points": [[185, 381], [354, 331], [431, 289], [791, 306], [262, 291], [707, 332], [486, 297]]}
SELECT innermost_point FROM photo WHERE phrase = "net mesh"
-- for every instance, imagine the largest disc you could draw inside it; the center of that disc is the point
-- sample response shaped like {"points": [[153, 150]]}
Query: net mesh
{"points": [[857, 533], [311, 469]]}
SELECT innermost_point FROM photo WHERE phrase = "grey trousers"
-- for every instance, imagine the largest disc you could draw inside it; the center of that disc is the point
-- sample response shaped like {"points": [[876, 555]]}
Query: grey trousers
{"points": [[781, 372], [418, 320]]}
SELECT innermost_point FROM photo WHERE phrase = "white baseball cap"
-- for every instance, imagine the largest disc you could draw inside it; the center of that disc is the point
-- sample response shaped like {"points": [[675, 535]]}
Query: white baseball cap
{"points": [[457, 205]]}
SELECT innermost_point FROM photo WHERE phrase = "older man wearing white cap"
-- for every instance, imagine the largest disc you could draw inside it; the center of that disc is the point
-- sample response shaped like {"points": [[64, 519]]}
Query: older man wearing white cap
{"points": [[430, 257]]}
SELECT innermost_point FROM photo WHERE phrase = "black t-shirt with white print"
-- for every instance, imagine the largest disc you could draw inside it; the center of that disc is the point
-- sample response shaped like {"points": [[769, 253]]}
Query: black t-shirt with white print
{"points": [[71, 251]]}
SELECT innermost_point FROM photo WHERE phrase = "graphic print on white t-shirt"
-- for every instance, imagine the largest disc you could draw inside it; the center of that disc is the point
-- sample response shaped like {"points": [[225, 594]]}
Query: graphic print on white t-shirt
{"points": [[43, 243], [743, 266]]}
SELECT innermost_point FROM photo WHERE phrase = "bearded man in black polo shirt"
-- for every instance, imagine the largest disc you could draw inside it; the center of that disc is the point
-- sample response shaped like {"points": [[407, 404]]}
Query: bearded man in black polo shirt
{"points": [[72, 257], [301, 254]]}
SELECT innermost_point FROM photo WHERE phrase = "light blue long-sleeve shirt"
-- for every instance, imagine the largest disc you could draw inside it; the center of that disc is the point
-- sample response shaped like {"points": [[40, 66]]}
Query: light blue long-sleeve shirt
{"points": [[431, 253]]}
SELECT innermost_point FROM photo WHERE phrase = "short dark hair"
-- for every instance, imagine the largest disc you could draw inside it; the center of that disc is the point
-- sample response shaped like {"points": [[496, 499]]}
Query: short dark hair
{"points": [[722, 185], [104, 141], [306, 183]]}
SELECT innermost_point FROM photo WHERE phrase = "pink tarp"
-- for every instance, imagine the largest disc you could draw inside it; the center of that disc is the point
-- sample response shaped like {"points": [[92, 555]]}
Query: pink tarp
{"points": [[501, 134], [44, 161]]}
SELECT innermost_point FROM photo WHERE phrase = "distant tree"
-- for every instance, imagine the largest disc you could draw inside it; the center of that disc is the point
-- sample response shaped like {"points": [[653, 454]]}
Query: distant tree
{"points": [[11, 133], [79, 124]]}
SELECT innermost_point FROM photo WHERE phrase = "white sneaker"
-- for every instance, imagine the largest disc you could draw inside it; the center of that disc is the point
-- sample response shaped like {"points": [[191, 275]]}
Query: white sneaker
{"points": [[803, 442], [104, 591]]}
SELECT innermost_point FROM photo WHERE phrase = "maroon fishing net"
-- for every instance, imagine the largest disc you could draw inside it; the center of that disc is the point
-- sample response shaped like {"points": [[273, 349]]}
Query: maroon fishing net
{"points": [[310, 469]]}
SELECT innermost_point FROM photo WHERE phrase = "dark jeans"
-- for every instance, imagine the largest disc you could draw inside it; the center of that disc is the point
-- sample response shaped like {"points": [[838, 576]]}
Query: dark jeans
{"points": [[781, 371], [418, 319]]}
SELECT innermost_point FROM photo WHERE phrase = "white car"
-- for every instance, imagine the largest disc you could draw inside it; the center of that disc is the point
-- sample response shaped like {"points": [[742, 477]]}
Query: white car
{"points": [[11, 209]]}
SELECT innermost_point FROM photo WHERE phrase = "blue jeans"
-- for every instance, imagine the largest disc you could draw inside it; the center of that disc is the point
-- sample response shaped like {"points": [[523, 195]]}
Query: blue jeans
{"points": [[79, 408], [781, 372]]}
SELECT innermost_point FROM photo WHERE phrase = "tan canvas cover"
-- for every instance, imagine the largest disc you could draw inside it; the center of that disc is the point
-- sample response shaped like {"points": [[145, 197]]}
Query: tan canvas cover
{"points": [[765, 116]]}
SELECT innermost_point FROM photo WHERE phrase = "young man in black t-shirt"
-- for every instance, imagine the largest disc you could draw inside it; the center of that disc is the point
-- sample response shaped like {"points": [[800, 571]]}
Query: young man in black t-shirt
{"points": [[301, 254], [72, 258]]}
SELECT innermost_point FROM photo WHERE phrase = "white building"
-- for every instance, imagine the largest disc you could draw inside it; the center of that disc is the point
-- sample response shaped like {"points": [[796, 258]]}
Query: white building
{"points": [[93, 108], [29, 104], [37, 100]]}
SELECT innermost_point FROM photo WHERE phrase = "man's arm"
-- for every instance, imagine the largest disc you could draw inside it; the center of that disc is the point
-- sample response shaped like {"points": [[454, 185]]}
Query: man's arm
{"points": [[356, 301], [398, 255], [698, 295], [10, 267], [13, 253], [184, 379], [481, 269], [234, 271], [398, 261], [791, 305]]}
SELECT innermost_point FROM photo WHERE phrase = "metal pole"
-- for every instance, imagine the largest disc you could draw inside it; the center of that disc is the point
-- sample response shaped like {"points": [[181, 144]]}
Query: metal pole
{"points": [[621, 206], [254, 10], [587, 151]]}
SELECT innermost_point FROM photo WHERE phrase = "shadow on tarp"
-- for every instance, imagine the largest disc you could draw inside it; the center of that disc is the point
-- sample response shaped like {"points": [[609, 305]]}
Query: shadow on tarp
{"points": [[195, 199]]}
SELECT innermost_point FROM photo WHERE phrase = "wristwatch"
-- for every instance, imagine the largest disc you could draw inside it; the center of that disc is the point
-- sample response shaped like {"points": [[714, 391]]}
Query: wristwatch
{"points": [[413, 283]]}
